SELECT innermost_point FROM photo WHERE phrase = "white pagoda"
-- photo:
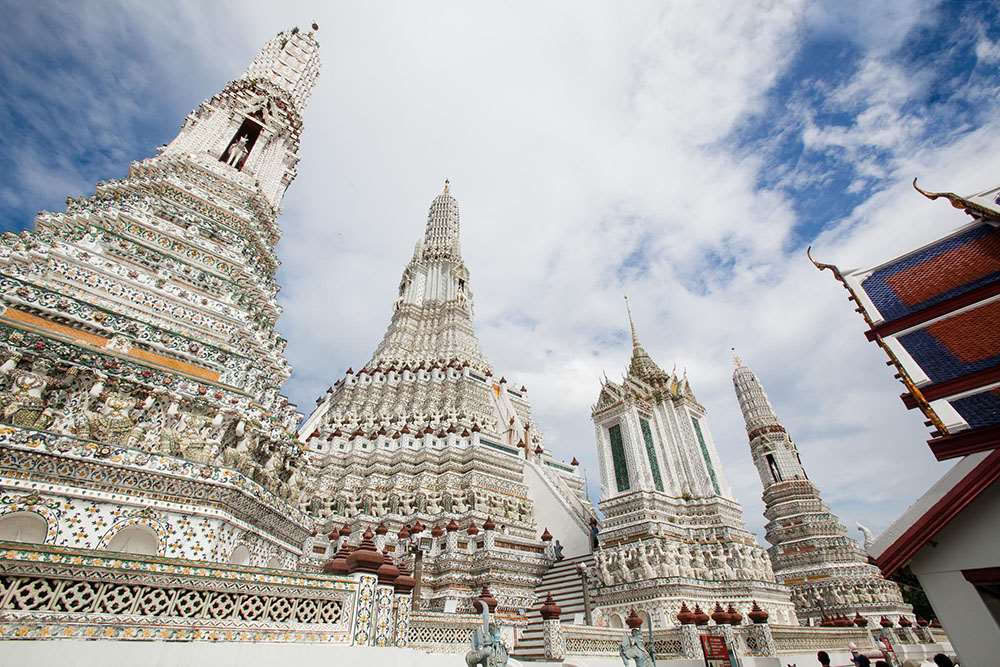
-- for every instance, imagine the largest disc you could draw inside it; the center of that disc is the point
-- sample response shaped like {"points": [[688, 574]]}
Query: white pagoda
{"points": [[673, 533], [428, 445], [141, 369], [830, 576]]}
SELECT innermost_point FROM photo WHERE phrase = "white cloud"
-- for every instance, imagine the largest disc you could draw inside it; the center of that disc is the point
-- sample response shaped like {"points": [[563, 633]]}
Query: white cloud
{"points": [[578, 135]]}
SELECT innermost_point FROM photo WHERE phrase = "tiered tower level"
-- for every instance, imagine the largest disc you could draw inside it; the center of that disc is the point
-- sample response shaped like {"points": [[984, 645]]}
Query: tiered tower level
{"points": [[140, 358], [426, 433], [672, 531], [811, 552]]}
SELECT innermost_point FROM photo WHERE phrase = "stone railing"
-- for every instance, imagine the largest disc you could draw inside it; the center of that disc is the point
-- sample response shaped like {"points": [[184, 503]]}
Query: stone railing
{"points": [[54, 592], [788, 638], [583, 640], [437, 632]]}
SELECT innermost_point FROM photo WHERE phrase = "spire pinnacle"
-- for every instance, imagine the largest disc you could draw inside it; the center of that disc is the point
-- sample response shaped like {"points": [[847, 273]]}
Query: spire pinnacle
{"points": [[631, 324], [736, 358], [446, 184]]}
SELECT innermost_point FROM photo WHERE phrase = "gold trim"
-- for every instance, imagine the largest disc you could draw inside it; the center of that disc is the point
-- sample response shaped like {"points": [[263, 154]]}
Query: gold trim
{"points": [[24, 319], [901, 373], [959, 202]]}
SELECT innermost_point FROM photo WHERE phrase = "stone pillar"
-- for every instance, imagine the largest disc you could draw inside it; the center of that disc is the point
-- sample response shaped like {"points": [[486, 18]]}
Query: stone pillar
{"points": [[555, 647], [763, 640], [726, 632], [690, 646], [404, 602], [384, 626], [365, 611]]}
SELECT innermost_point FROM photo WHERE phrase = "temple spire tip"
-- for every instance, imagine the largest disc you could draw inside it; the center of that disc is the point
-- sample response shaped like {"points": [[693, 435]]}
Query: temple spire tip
{"points": [[736, 358], [631, 324]]}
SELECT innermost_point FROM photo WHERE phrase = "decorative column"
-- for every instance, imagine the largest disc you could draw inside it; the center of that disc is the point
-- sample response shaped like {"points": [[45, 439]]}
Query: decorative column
{"points": [[555, 647], [364, 609], [760, 632], [404, 604], [364, 564]]}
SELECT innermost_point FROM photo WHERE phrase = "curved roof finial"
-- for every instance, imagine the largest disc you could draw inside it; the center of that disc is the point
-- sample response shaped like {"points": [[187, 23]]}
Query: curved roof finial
{"points": [[959, 202], [821, 265], [631, 324]]}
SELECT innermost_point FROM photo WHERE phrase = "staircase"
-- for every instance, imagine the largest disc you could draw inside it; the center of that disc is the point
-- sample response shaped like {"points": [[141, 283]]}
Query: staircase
{"points": [[566, 587]]}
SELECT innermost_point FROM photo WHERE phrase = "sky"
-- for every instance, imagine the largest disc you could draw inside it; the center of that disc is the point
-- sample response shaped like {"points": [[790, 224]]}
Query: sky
{"points": [[683, 153]]}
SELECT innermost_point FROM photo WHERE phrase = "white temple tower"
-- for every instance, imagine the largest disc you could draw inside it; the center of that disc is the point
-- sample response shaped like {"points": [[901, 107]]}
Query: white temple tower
{"points": [[811, 552], [138, 341], [672, 531], [426, 436]]}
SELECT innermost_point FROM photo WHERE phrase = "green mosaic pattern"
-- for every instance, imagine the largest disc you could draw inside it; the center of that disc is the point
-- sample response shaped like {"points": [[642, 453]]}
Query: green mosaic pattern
{"points": [[618, 457], [654, 465], [704, 455]]}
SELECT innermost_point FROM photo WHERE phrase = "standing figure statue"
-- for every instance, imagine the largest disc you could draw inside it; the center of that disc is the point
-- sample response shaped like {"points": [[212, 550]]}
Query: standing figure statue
{"points": [[632, 648], [488, 649], [237, 151]]}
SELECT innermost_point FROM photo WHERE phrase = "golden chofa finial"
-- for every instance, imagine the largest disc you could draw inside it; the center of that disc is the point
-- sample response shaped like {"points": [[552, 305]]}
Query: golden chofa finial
{"points": [[821, 265], [959, 202]]}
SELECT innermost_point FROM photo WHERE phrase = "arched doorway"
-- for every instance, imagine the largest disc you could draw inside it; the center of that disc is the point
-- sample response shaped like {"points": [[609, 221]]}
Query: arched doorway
{"points": [[135, 540], [23, 527]]}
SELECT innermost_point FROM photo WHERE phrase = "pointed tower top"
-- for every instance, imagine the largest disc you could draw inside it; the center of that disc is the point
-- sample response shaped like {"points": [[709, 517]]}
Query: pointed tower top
{"points": [[737, 362], [631, 324], [641, 364], [446, 184]]}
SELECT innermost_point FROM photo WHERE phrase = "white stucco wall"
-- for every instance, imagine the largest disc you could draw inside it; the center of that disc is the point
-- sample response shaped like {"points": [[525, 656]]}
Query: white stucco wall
{"points": [[970, 541], [551, 512], [81, 653]]}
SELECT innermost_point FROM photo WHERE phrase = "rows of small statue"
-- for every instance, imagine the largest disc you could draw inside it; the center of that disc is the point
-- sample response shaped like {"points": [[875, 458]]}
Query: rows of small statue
{"points": [[43, 394], [378, 503], [694, 561]]}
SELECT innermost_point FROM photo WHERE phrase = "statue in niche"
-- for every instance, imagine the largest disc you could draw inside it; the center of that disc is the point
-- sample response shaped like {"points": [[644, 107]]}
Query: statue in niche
{"points": [[23, 402], [237, 151], [113, 424]]}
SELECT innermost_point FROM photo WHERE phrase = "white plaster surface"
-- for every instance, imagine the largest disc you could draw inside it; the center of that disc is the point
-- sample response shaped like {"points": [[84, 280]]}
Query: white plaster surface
{"points": [[212, 654], [551, 512], [970, 541]]}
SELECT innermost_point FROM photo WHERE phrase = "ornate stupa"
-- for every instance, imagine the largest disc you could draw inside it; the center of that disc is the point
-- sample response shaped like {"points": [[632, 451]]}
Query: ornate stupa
{"points": [[140, 365], [673, 533], [810, 550], [426, 434]]}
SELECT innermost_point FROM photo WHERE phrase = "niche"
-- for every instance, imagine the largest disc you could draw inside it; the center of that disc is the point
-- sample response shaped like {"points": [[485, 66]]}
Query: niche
{"points": [[242, 143]]}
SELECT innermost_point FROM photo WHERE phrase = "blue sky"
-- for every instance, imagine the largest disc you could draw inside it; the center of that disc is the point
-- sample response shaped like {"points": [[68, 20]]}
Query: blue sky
{"points": [[683, 153]]}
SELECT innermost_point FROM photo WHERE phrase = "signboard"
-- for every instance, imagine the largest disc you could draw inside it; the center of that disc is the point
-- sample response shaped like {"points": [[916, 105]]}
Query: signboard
{"points": [[716, 651]]}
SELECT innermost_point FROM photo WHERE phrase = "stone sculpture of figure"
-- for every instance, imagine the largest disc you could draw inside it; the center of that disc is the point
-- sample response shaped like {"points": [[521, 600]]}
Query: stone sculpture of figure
{"points": [[488, 649], [237, 151], [602, 566], [112, 425], [647, 567], [23, 402], [632, 648]]}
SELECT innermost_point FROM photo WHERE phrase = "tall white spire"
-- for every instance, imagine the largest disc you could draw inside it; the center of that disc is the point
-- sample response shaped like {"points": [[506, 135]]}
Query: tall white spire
{"points": [[432, 317], [756, 407], [290, 61], [441, 235]]}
